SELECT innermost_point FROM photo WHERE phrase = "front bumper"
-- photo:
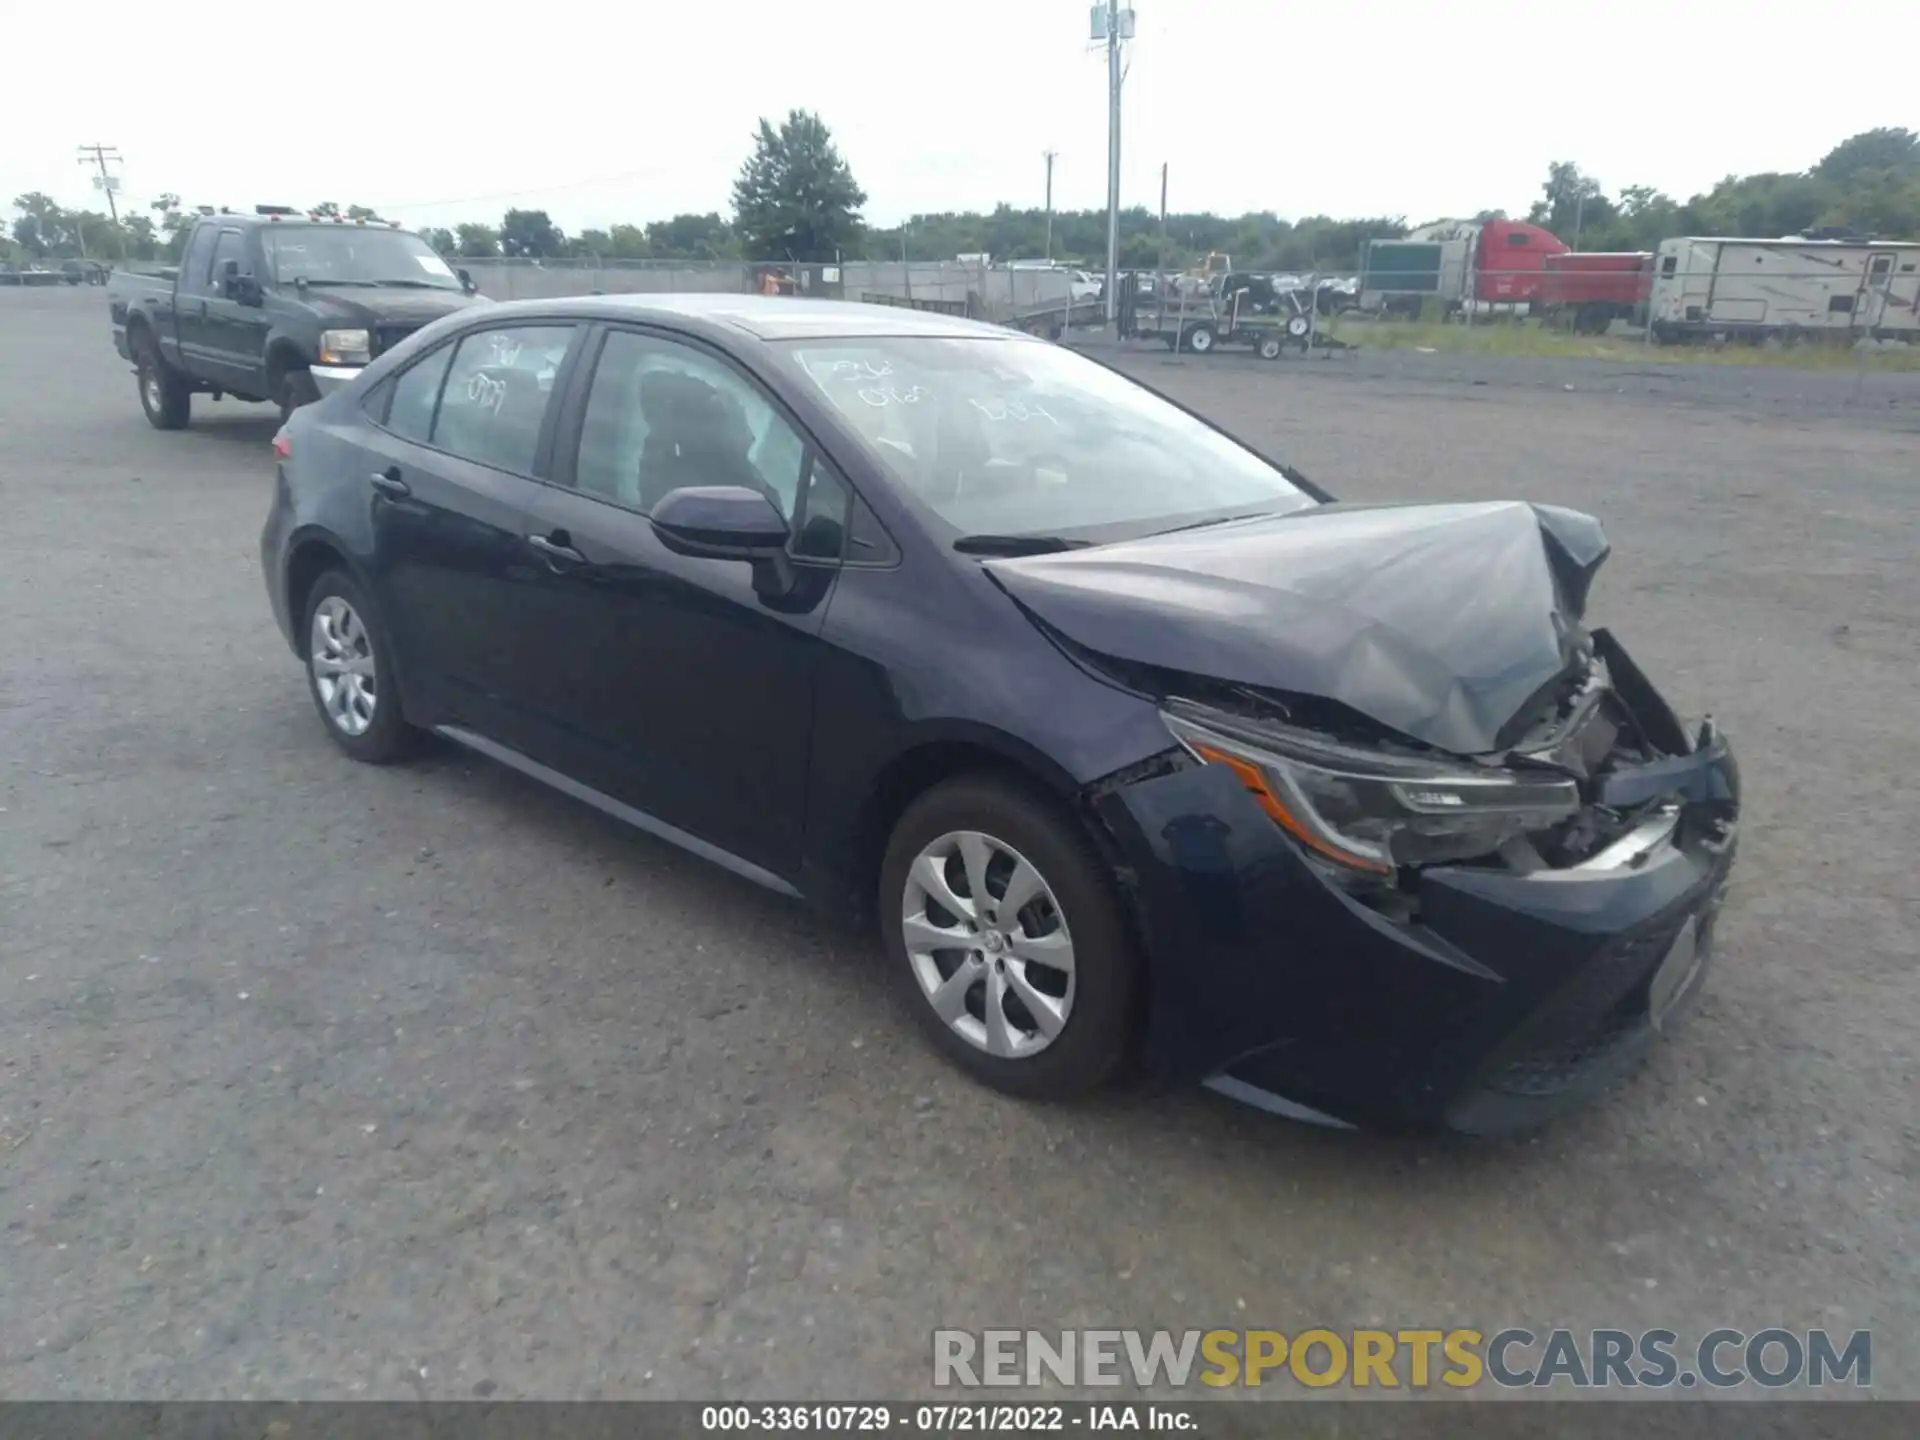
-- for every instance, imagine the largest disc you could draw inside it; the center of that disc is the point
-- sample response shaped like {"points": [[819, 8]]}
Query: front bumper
{"points": [[329, 378], [1506, 1000]]}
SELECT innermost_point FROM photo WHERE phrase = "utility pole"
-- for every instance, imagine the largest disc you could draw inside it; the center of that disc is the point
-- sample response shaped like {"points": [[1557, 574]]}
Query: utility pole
{"points": [[1049, 155], [100, 155], [1160, 275], [1113, 24]]}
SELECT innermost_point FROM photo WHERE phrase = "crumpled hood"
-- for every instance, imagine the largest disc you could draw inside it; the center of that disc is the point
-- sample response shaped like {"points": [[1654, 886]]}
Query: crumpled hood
{"points": [[1443, 622]]}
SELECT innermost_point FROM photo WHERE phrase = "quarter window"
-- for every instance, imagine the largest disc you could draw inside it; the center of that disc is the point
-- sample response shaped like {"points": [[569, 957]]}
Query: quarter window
{"points": [[414, 394], [495, 398], [662, 416], [820, 529]]}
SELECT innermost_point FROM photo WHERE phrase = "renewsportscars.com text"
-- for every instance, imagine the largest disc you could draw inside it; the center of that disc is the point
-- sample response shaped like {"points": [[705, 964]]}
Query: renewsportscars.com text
{"points": [[1773, 1358]]}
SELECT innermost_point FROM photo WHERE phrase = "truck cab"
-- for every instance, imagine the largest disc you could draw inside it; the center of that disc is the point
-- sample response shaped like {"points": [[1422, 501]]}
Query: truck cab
{"points": [[275, 306]]}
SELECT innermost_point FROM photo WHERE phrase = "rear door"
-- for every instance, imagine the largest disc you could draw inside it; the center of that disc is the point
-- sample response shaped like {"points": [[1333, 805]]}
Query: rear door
{"points": [[668, 682], [198, 357], [450, 466]]}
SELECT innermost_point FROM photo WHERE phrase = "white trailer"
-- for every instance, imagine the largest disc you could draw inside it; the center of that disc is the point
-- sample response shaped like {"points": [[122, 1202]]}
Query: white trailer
{"points": [[1709, 287]]}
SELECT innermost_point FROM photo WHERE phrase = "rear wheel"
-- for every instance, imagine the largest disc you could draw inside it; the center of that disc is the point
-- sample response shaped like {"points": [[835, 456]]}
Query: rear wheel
{"points": [[1269, 347], [164, 393], [1006, 934], [1200, 339], [350, 672]]}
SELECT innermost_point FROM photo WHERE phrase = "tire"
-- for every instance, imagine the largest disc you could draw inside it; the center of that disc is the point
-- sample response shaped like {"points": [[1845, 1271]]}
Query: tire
{"points": [[165, 395], [1200, 339], [1299, 326], [1095, 1004], [296, 389], [365, 720], [1269, 347]]}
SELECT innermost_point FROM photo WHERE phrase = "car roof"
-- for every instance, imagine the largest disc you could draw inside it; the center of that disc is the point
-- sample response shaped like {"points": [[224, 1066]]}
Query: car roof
{"points": [[768, 317]]}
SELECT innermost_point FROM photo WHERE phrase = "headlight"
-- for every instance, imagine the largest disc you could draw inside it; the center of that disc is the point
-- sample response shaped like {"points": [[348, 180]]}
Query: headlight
{"points": [[1371, 812], [345, 347]]}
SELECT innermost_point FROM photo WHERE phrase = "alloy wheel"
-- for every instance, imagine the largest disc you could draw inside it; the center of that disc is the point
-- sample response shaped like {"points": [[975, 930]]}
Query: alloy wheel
{"points": [[341, 653], [989, 944]]}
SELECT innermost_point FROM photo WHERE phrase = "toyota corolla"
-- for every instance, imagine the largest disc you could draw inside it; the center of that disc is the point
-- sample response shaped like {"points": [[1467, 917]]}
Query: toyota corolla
{"points": [[1141, 752]]}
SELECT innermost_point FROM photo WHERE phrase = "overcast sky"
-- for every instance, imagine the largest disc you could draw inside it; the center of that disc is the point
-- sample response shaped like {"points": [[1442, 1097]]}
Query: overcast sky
{"points": [[440, 112]]}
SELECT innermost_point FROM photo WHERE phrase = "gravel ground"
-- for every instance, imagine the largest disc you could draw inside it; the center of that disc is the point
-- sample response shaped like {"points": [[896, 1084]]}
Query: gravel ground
{"points": [[325, 1081]]}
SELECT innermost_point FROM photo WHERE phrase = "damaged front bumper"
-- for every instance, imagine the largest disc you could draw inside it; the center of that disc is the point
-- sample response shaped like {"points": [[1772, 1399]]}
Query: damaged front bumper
{"points": [[1488, 998]]}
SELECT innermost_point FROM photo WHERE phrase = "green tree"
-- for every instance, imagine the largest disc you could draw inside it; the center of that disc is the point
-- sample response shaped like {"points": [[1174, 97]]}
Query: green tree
{"points": [[441, 239], [326, 209], [795, 196], [1871, 154], [628, 242], [692, 237], [476, 240], [1570, 201], [531, 233]]}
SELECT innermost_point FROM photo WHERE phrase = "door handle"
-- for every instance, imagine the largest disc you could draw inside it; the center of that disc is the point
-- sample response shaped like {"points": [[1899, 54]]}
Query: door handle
{"points": [[388, 482], [558, 548]]}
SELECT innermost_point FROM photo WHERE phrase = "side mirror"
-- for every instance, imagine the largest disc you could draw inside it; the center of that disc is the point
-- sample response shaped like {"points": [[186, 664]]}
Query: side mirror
{"points": [[720, 522], [729, 522], [466, 281]]}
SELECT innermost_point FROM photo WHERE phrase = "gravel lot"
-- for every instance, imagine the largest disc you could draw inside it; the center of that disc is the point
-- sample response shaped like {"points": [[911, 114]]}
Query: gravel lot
{"points": [[317, 1080]]}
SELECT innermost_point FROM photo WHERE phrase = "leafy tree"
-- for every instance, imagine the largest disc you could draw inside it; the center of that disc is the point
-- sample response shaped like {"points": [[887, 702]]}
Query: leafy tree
{"points": [[531, 233], [476, 241], [1570, 202], [1870, 154], [628, 242], [795, 196], [691, 237], [326, 209], [441, 239], [593, 243], [361, 212]]}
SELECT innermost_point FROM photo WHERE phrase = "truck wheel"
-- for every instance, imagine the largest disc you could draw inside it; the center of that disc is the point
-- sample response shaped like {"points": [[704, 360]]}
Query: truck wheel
{"points": [[296, 389], [1200, 339], [1269, 347], [164, 392]]}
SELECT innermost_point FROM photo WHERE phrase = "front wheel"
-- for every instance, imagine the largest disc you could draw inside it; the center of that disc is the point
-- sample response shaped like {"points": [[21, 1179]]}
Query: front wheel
{"points": [[165, 395], [1008, 938], [1269, 347], [296, 389]]}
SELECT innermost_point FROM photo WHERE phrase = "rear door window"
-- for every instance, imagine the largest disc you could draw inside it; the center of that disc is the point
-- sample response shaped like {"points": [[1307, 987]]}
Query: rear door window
{"points": [[497, 391]]}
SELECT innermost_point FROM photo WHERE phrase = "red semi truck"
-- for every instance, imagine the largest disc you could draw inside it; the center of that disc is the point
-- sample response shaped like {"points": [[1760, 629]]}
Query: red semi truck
{"points": [[1591, 289]]}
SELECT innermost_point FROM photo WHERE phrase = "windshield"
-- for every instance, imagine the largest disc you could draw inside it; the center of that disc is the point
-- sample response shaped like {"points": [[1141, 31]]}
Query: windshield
{"points": [[353, 255], [1013, 438]]}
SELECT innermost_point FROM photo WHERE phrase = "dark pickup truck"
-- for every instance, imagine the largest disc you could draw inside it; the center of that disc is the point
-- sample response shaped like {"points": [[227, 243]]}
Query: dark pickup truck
{"points": [[275, 306]]}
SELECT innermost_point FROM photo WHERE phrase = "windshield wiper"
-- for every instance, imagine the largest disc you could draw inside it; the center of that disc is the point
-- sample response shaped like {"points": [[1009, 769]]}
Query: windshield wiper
{"points": [[413, 284], [332, 280], [1217, 520], [1010, 545]]}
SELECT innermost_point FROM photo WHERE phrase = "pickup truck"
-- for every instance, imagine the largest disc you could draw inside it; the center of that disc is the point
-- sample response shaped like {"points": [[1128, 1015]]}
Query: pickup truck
{"points": [[276, 307]]}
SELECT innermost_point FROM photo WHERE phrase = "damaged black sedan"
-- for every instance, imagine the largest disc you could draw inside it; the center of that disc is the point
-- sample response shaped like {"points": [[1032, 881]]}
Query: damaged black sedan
{"points": [[1139, 750]]}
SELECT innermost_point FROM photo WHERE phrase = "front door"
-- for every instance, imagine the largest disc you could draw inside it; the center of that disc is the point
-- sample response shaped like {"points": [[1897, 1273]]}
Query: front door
{"points": [[234, 333], [672, 683]]}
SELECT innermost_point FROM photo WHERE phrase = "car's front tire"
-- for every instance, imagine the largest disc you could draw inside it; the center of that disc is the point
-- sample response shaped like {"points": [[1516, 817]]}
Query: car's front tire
{"points": [[1010, 942], [296, 389], [350, 672]]}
